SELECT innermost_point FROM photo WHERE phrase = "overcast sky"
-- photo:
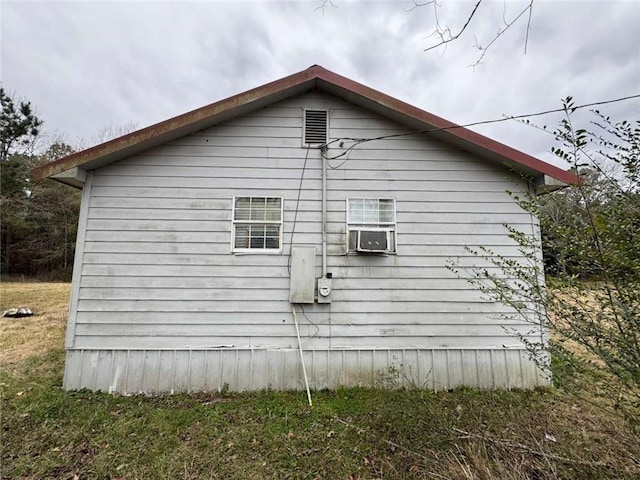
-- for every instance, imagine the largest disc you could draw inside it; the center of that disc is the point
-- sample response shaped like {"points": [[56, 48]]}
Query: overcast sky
{"points": [[88, 65]]}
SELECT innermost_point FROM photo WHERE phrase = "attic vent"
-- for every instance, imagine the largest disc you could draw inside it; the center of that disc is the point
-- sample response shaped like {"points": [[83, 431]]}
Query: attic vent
{"points": [[316, 127]]}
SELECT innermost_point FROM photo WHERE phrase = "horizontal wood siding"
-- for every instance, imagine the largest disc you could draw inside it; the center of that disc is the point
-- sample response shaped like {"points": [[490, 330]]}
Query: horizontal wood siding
{"points": [[157, 272]]}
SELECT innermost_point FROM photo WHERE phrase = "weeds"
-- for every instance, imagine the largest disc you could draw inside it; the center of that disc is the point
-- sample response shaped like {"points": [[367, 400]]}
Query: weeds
{"points": [[357, 433]]}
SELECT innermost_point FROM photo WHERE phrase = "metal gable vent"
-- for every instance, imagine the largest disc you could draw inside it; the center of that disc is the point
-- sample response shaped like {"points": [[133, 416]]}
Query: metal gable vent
{"points": [[316, 127]]}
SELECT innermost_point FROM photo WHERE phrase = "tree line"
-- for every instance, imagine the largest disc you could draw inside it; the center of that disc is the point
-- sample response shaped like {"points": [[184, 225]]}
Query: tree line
{"points": [[39, 220]]}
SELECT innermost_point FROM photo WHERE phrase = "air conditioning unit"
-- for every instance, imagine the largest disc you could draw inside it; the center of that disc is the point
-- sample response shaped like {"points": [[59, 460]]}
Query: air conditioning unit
{"points": [[373, 241]]}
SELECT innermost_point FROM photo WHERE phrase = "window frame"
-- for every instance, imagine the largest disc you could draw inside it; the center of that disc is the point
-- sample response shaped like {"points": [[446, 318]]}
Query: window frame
{"points": [[235, 222], [390, 227]]}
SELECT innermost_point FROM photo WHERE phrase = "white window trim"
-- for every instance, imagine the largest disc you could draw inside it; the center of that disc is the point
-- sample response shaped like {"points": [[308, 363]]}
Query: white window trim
{"points": [[260, 222], [374, 225]]}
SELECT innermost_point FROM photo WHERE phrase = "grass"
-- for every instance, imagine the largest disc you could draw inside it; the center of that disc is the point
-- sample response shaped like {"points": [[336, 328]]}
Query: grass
{"points": [[351, 433], [21, 338]]}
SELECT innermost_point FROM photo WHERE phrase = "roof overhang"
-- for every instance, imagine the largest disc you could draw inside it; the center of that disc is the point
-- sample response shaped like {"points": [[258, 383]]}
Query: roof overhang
{"points": [[70, 169], [74, 177]]}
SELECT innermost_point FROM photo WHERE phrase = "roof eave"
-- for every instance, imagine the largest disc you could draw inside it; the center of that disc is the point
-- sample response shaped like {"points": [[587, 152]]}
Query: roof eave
{"points": [[74, 177], [177, 127], [296, 84], [442, 129]]}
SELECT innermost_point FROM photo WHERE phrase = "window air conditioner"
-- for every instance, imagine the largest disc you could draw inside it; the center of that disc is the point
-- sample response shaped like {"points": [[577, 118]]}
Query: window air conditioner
{"points": [[374, 241]]}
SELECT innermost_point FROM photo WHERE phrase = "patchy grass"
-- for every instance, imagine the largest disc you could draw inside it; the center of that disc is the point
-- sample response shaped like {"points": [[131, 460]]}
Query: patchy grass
{"points": [[21, 338], [351, 433]]}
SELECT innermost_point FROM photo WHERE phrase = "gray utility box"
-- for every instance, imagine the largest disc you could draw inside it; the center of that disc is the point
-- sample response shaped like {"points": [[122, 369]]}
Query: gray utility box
{"points": [[303, 275]]}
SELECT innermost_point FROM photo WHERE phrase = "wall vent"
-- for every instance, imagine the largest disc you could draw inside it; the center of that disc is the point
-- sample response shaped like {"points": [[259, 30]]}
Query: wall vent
{"points": [[316, 127]]}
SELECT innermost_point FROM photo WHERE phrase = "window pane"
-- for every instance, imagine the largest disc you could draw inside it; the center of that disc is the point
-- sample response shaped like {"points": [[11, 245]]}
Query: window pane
{"points": [[272, 242], [272, 236], [273, 209], [257, 208], [257, 236], [386, 211], [356, 210], [243, 205], [257, 242], [242, 236], [272, 230], [371, 210], [257, 230]]}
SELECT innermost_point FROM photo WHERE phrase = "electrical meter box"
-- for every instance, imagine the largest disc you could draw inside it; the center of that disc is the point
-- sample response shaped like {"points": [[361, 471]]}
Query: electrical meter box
{"points": [[324, 290], [303, 275]]}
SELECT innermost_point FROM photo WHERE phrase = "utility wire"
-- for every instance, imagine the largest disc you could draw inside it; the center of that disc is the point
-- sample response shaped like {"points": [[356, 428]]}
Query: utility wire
{"points": [[358, 141], [295, 217]]}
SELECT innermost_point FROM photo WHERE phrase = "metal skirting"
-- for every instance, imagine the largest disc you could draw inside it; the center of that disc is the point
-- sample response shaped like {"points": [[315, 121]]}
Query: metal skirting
{"points": [[173, 371]]}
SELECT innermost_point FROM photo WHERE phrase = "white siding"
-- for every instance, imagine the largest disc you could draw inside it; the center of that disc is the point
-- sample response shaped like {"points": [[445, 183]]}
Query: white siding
{"points": [[156, 270]]}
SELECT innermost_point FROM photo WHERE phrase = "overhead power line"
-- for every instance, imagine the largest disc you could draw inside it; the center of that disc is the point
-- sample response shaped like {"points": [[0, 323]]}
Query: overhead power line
{"points": [[546, 112], [358, 141]]}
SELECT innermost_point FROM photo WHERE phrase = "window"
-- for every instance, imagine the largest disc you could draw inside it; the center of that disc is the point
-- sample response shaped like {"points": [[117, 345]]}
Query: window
{"points": [[316, 127], [257, 224], [371, 225]]}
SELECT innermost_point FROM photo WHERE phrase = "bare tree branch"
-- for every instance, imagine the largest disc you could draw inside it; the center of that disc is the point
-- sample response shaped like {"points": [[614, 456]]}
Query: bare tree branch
{"points": [[417, 4], [324, 4], [502, 30], [445, 33], [526, 38]]}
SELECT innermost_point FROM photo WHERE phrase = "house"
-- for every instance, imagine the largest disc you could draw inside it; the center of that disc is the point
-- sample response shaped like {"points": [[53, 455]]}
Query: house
{"points": [[304, 223]]}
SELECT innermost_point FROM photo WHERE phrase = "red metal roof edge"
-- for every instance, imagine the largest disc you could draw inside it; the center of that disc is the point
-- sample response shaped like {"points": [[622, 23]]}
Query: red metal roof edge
{"points": [[315, 72], [172, 124], [452, 129]]}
